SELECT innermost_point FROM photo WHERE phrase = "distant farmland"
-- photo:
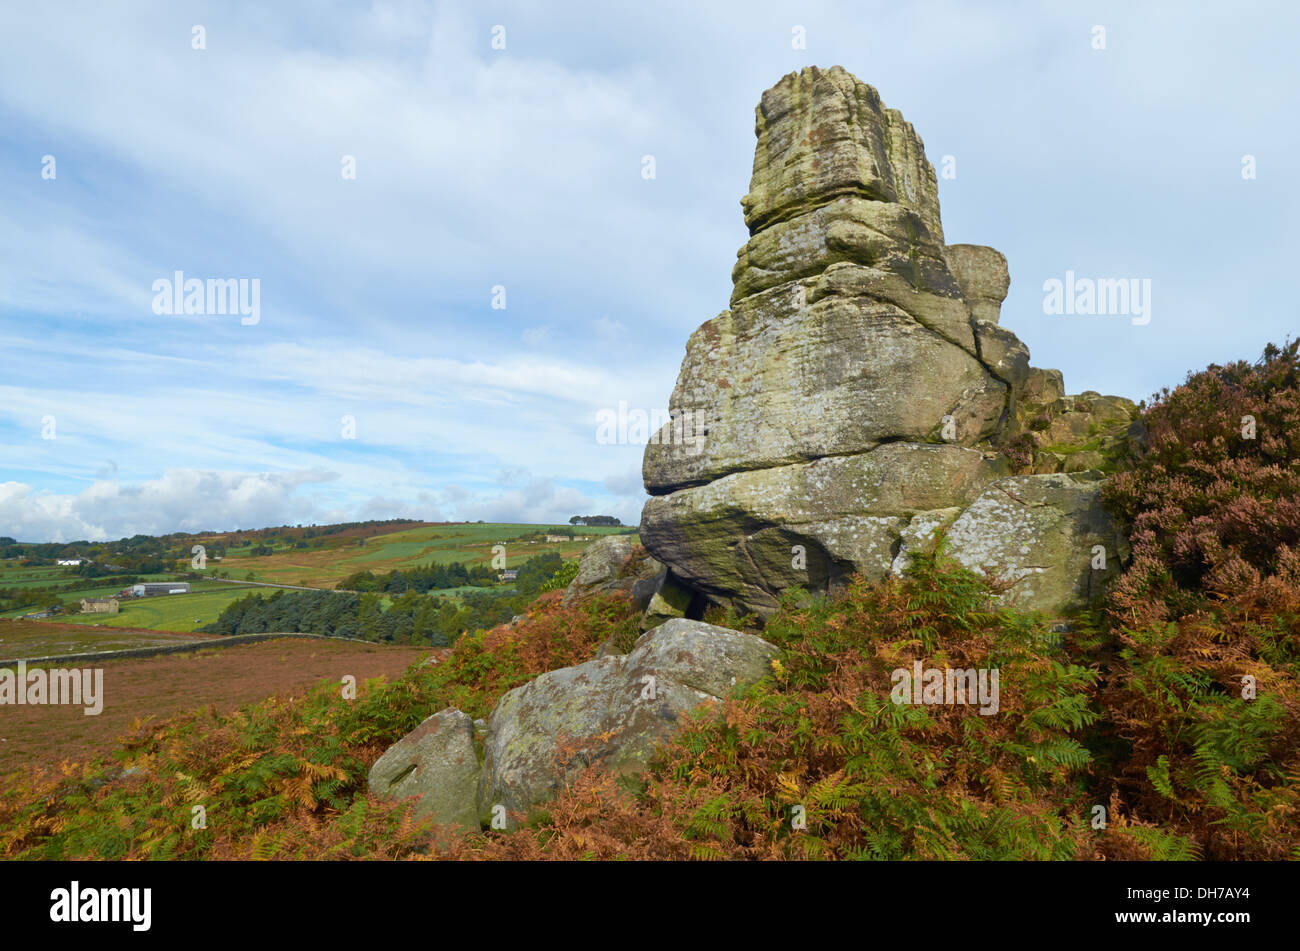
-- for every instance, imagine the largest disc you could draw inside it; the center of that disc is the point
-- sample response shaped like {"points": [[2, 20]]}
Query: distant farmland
{"points": [[173, 612], [324, 562], [469, 544]]}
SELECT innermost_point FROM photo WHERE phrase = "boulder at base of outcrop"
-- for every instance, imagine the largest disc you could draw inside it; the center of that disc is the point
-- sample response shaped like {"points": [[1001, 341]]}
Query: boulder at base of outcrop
{"points": [[437, 762], [1047, 534], [611, 712], [616, 563]]}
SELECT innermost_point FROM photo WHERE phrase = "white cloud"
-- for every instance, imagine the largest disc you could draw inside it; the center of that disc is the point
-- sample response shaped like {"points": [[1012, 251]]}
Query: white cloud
{"points": [[521, 168], [626, 483], [181, 500], [424, 507]]}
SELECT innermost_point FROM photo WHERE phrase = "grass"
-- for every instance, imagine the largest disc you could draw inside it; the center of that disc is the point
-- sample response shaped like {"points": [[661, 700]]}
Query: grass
{"points": [[173, 612], [13, 575], [90, 591], [20, 639], [469, 544]]}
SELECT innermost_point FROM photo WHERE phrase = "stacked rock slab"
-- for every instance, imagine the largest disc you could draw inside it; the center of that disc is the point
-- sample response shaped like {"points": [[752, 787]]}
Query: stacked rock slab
{"points": [[852, 400]]}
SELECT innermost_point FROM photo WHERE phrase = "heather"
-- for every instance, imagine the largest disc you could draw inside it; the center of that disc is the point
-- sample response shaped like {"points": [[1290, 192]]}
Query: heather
{"points": [[1204, 696], [1163, 725], [284, 777], [819, 738], [1214, 504]]}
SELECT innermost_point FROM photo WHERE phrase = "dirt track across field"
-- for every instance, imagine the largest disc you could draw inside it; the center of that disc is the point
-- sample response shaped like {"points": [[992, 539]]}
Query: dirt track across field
{"points": [[160, 686]]}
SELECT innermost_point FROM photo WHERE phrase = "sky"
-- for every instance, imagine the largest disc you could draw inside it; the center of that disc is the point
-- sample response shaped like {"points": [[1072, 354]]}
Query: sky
{"points": [[461, 262]]}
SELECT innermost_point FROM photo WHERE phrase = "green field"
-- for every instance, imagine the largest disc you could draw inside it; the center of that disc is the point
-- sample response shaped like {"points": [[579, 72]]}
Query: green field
{"points": [[469, 544], [91, 590], [321, 565], [172, 612], [14, 575]]}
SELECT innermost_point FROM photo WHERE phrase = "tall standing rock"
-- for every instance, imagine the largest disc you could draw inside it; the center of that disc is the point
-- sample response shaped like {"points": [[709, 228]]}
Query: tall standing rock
{"points": [[852, 400], [847, 327]]}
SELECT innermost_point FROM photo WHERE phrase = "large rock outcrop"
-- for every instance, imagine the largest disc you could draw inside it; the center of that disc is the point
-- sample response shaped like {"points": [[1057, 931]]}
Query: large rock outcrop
{"points": [[859, 394]]}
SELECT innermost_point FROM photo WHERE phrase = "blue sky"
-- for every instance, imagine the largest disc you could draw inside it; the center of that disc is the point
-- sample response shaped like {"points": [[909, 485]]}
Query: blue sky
{"points": [[522, 168]]}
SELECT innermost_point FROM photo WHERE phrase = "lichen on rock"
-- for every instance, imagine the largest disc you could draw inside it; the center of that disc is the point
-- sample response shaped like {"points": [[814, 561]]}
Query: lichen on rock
{"points": [[859, 393]]}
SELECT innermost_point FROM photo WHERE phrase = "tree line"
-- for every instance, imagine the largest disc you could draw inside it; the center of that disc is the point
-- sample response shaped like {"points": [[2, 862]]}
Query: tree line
{"points": [[421, 580], [412, 617]]}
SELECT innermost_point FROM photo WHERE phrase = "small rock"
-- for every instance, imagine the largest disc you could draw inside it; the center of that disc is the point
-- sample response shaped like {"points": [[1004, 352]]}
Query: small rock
{"points": [[436, 762]]}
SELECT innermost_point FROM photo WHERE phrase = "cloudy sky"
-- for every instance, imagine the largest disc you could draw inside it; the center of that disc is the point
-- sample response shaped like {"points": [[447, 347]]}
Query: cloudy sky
{"points": [[521, 168]]}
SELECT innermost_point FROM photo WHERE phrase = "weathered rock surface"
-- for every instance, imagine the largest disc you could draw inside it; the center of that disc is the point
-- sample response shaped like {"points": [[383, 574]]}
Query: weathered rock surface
{"points": [[611, 712], [1075, 433], [1047, 534], [882, 246], [671, 599], [436, 762], [919, 535], [983, 277], [822, 134], [616, 563], [859, 394], [745, 537], [602, 559], [1003, 353], [776, 386]]}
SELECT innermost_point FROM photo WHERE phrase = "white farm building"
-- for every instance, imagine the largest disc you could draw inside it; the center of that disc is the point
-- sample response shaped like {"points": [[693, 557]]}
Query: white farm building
{"points": [[154, 589]]}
